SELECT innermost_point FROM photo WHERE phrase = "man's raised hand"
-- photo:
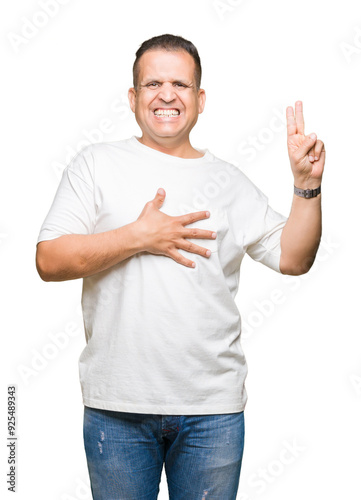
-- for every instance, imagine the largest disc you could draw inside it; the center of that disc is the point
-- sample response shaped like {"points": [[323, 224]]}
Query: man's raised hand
{"points": [[306, 153]]}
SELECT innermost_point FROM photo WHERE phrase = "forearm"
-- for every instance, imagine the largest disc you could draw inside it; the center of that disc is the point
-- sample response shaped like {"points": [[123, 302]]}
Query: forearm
{"points": [[301, 235], [75, 256]]}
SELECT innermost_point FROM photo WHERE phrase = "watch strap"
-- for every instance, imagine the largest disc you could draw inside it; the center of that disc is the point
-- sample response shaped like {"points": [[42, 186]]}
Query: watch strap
{"points": [[307, 193]]}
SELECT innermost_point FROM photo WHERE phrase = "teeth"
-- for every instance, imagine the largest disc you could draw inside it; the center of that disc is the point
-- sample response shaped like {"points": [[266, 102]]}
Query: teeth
{"points": [[162, 112]]}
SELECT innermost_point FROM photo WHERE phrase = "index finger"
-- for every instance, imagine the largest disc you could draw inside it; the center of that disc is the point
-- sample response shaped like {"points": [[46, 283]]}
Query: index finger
{"points": [[193, 217], [291, 122], [299, 118]]}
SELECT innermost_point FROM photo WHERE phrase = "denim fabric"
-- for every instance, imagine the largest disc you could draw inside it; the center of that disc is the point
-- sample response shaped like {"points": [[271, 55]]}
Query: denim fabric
{"points": [[125, 454]]}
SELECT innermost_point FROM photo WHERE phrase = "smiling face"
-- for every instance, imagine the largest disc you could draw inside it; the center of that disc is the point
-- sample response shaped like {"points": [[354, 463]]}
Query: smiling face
{"points": [[166, 103]]}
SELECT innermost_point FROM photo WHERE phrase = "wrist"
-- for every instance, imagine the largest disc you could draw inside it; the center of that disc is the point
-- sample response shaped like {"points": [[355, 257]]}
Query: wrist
{"points": [[307, 184], [133, 237], [139, 235]]}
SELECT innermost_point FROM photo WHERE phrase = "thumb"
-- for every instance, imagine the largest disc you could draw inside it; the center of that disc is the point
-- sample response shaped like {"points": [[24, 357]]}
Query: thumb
{"points": [[159, 197], [308, 143]]}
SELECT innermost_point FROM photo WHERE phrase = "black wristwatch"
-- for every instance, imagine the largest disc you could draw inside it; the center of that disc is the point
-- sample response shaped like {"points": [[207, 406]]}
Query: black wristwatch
{"points": [[307, 193]]}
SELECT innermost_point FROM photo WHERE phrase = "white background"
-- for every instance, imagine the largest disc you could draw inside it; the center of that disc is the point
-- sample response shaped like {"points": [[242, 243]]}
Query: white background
{"points": [[64, 82]]}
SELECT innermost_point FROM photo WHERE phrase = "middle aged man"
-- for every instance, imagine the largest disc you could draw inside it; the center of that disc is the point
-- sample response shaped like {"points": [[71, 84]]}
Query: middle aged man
{"points": [[163, 371]]}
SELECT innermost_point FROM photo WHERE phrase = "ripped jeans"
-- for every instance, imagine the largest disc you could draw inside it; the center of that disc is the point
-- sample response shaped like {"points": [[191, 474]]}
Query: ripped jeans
{"points": [[125, 454]]}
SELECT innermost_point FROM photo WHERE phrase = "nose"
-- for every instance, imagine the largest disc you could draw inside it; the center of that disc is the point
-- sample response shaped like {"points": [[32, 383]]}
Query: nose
{"points": [[167, 92]]}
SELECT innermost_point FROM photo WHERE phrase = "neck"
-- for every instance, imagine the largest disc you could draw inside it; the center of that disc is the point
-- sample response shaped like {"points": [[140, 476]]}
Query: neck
{"points": [[184, 150]]}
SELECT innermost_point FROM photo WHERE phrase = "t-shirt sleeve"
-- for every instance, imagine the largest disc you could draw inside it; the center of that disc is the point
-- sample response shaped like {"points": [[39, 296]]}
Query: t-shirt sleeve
{"points": [[73, 210], [266, 226]]}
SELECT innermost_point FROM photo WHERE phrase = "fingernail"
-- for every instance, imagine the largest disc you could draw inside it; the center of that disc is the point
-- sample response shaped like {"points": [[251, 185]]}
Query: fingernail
{"points": [[208, 253], [160, 191], [207, 214], [214, 235], [311, 158], [316, 158], [313, 136]]}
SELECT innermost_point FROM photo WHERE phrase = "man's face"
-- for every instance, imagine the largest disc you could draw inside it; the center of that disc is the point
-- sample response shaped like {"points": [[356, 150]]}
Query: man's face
{"points": [[166, 103]]}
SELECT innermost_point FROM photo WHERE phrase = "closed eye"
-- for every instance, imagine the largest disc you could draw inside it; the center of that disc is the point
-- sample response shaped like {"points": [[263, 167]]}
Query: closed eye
{"points": [[155, 84]]}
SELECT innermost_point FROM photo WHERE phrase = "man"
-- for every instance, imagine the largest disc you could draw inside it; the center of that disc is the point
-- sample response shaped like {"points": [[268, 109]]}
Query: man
{"points": [[163, 372]]}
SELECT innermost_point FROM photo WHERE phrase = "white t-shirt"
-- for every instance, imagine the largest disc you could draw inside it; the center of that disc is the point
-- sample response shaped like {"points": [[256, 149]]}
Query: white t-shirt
{"points": [[163, 338]]}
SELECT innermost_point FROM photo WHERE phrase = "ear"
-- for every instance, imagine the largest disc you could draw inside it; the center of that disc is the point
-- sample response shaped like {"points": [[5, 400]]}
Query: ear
{"points": [[131, 97], [201, 100]]}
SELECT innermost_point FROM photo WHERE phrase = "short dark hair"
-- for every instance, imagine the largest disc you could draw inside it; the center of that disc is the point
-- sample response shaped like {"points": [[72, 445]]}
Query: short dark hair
{"points": [[170, 43]]}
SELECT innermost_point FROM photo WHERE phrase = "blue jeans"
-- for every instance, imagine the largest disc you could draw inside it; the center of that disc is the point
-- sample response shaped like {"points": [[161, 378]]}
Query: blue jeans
{"points": [[125, 454]]}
